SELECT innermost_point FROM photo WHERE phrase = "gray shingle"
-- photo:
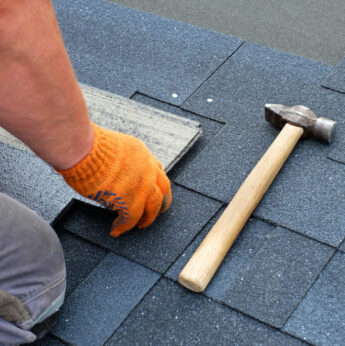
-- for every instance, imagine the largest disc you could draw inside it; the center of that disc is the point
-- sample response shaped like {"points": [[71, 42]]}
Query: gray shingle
{"points": [[278, 277], [338, 152], [31, 181], [342, 246], [103, 300], [158, 246], [210, 129], [256, 75], [81, 258], [253, 76], [250, 240], [171, 315], [320, 316], [336, 78], [125, 50], [168, 136], [305, 28], [293, 200]]}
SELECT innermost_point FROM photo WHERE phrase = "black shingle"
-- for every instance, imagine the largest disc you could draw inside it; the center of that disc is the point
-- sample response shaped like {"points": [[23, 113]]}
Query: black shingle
{"points": [[48, 340]]}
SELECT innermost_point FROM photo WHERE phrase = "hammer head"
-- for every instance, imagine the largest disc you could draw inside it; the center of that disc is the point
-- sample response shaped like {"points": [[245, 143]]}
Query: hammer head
{"points": [[323, 129]]}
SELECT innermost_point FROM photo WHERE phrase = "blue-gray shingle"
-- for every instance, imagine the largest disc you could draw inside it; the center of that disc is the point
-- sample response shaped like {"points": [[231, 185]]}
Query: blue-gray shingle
{"points": [[320, 317], [256, 75], [336, 78], [278, 277], [103, 300], [171, 315], [209, 126], [293, 200], [81, 258], [158, 246], [123, 50], [248, 243]]}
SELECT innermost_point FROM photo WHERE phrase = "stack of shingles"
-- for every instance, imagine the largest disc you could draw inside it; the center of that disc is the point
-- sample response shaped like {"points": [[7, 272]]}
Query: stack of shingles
{"points": [[283, 280]]}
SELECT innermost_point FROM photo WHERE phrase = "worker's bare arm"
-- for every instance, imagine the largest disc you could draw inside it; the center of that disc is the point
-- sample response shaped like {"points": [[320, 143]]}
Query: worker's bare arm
{"points": [[40, 101]]}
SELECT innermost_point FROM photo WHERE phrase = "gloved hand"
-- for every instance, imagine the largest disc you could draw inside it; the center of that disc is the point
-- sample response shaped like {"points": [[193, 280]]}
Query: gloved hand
{"points": [[122, 174]]}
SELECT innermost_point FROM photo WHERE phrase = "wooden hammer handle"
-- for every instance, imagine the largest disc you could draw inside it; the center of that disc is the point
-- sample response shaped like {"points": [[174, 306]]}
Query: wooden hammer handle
{"points": [[204, 263]]}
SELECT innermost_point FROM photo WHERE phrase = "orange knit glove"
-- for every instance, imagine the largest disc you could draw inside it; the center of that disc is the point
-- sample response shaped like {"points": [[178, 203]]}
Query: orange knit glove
{"points": [[123, 175]]}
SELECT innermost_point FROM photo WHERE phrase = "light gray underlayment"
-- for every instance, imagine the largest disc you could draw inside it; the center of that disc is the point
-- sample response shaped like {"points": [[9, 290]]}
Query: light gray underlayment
{"points": [[30, 180], [168, 136]]}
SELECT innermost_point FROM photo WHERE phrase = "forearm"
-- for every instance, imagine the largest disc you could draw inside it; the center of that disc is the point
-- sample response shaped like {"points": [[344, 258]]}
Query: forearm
{"points": [[40, 100]]}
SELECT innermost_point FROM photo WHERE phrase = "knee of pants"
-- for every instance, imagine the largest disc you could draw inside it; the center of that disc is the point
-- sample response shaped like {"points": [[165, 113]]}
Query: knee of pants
{"points": [[32, 265]]}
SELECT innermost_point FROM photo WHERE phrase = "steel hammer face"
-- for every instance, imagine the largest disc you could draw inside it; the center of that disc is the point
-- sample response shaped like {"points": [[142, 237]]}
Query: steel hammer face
{"points": [[322, 129]]}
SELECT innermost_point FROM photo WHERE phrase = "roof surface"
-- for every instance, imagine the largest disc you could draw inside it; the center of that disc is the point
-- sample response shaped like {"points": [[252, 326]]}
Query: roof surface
{"points": [[283, 281]]}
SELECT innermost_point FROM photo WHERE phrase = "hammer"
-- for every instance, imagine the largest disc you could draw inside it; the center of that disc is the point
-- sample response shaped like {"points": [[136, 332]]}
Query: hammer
{"points": [[295, 122]]}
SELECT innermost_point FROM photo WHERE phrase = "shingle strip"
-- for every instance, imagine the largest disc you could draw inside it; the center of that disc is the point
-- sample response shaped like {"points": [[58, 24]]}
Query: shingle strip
{"points": [[171, 315], [102, 301], [320, 316], [124, 50]]}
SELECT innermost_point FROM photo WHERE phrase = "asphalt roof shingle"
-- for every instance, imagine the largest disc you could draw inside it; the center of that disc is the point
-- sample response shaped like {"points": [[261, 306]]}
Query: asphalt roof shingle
{"points": [[210, 128], [250, 240], [336, 78], [103, 300], [125, 50], [171, 315], [81, 258], [30, 180], [278, 277], [160, 245], [123, 290], [320, 317]]}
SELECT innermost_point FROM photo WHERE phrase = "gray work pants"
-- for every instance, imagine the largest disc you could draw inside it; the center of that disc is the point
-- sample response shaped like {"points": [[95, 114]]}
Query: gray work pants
{"points": [[32, 272]]}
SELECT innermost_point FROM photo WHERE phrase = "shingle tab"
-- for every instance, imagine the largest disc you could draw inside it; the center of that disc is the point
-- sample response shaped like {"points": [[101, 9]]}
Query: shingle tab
{"points": [[210, 129], [125, 50], [158, 246], [81, 258], [342, 246], [31, 181], [338, 152], [103, 300], [320, 316], [171, 315], [256, 75], [253, 76], [241, 254], [168, 136], [336, 78], [278, 277], [293, 200]]}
